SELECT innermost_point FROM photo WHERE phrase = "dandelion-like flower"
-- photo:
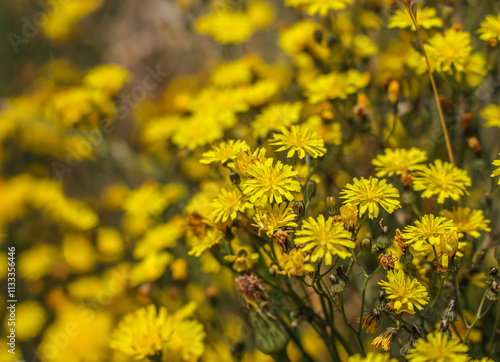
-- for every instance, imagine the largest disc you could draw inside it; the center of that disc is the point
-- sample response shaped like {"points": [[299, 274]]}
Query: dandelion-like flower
{"points": [[227, 205], [271, 218], [384, 340], [226, 26], [244, 260], [428, 230], [270, 182], [496, 172], [369, 194], [404, 293], [438, 348], [492, 115], [450, 51], [293, 263], [322, 7], [299, 139], [336, 85], [372, 357], [398, 160], [276, 116], [490, 28], [426, 18], [224, 151], [442, 179], [244, 159], [467, 221], [200, 245], [325, 238]]}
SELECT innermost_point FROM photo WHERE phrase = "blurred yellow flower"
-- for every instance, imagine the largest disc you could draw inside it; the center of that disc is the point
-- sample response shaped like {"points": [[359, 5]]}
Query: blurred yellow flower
{"points": [[496, 172], [224, 151], [372, 357], [109, 78], [30, 318], [449, 52], [200, 245], [395, 161], [336, 85], [467, 221], [490, 28], [226, 26], [79, 253], [275, 116], [109, 243], [426, 18], [244, 260], [150, 268], [492, 115], [294, 263], [37, 261]]}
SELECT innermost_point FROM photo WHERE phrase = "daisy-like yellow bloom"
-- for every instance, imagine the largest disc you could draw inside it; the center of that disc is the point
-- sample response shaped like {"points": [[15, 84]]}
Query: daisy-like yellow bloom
{"points": [[336, 85], [30, 318], [492, 115], [198, 130], [293, 263], [244, 260], [372, 357], [227, 205], [225, 150], [370, 194], [108, 78], [395, 161], [226, 26], [428, 230], [384, 340], [276, 116], [321, 7], [143, 333], [442, 179], [450, 51], [496, 172], [325, 238], [270, 182], [467, 221], [150, 268], [243, 160], [232, 74], [426, 18], [299, 139], [271, 218], [438, 348], [404, 293], [490, 28], [200, 245]]}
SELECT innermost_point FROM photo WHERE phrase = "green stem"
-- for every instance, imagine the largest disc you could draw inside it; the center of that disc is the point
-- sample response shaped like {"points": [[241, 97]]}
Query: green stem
{"points": [[351, 328], [438, 293], [494, 332], [478, 317], [367, 279]]}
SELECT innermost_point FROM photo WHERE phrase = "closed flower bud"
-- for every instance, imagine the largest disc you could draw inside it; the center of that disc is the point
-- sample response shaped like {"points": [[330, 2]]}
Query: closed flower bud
{"points": [[381, 302], [235, 178], [299, 208], [270, 336], [331, 205], [311, 189], [407, 258], [383, 242], [449, 313], [366, 246]]}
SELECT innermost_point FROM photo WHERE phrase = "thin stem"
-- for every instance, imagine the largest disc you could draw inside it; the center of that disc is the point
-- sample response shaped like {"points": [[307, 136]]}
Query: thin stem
{"points": [[438, 293], [433, 82], [494, 331], [478, 317], [367, 278]]}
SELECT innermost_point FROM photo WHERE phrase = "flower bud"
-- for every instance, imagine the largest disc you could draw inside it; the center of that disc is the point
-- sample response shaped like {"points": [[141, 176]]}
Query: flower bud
{"points": [[381, 302], [270, 336], [449, 313], [331, 205], [407, 258], [235, 178], [272, 271], [299, 208], [366, 246], [383, 242], [311, 189]]}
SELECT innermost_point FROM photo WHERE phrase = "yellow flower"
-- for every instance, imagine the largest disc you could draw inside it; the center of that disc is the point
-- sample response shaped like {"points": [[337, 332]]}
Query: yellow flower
{"points": [[428, 230], [229, 202], [260, 13], [260, 92], [108, 78], [150, 268], [372, 357], [232, 74], [442, 179], [426, 18], [200, 245], [143, 333], [395, 161], [198, 130], [270, 182], [37, 261], [449, 52], [244, 260], [369, 194], [30, 318], [490, 28], [186, 341], [79, 253], [293, 263], [438, 348], [226, 26], [271, 218], [147, 199], [299, 139], [467, 221], [496, 172], [276, 116], [179, 269], [384, 340], [404, 293], [325, 238], [159, 237], [336, 85], [329, 132], [109, 243], [243, 160], [492, 115], [226, 150], [322, 7]]}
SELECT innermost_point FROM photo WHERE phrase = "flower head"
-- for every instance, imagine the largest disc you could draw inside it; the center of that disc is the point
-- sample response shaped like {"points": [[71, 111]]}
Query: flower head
{"points": [[336, 85], [450, 51], [496, 172], [370, 194], [276, 116], [293, 263], [467, 221], [438, 348], [404, 293], [398, 160], [270, 182], [226, 26], [224, 151], [442, 179], [426, 18], [428, 230], [271, 218], [200, 244], [492, 115], [299, 139], [229, 202], [325, 238], [372, 357], [244, 260], [490, 28], [384, 340]]}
